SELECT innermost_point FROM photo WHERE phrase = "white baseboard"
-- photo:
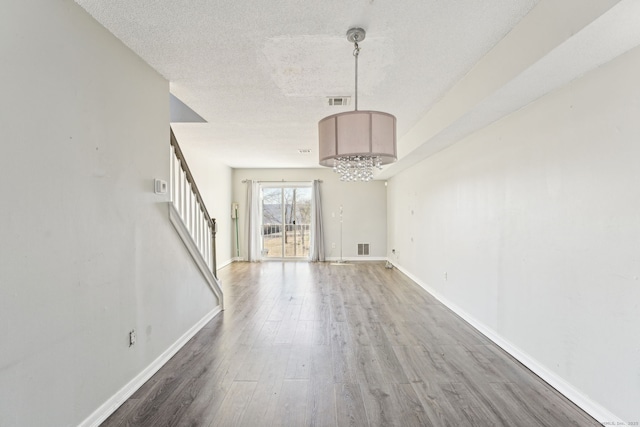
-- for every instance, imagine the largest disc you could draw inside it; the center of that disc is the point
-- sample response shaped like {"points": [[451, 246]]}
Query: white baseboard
{"points": [[110, 406], [357, 258], [328, 259], [594, 409], [225, 263]]}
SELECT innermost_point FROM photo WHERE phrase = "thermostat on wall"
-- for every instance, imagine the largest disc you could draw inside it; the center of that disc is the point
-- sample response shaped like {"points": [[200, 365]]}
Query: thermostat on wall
{"points": [[160, 186]]}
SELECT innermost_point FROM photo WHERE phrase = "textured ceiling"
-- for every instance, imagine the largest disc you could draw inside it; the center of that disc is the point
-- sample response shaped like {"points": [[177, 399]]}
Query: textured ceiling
{"points": [[259, 71]]}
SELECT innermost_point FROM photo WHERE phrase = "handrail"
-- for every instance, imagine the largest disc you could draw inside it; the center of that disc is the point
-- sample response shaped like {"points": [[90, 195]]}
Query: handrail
{"points": [[185, 167], [193, 224]]}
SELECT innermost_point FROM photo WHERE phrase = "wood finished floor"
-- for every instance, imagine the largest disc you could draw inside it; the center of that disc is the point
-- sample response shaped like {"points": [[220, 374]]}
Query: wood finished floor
{"points": [[304, 344]]}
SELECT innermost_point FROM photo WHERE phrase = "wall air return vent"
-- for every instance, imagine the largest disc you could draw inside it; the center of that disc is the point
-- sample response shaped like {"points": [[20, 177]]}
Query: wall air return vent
{"points": [[339, 101], [363, 249]]}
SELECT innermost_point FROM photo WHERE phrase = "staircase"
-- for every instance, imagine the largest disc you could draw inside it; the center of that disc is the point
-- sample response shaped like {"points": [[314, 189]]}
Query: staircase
{"points": [[189, 216]]}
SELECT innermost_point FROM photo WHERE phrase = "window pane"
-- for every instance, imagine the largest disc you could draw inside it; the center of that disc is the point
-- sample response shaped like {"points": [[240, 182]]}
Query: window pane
{"points": [[286, 221], [272, 222], [298, 218], [303, 221]]}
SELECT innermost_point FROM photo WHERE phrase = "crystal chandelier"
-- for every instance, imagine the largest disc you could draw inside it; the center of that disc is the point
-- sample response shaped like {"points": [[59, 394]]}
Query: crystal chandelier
{"points": [[356, 142], [356, 168]]}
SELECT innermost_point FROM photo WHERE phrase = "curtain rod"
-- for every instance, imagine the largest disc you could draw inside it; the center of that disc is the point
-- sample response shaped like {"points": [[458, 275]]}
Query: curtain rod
{"points": [[278, 182]]}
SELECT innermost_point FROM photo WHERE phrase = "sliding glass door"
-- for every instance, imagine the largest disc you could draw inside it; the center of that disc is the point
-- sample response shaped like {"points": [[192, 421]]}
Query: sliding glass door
{"points": [[286, 220]]}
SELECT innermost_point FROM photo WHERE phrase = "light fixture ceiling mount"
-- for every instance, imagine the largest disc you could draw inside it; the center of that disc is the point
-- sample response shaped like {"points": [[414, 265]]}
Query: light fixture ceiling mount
{"points": [[356, 34], [356, 142]]}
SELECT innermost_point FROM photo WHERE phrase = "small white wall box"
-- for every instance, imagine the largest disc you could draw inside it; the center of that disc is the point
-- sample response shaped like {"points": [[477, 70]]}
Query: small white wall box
{"points": [[160, 186]]}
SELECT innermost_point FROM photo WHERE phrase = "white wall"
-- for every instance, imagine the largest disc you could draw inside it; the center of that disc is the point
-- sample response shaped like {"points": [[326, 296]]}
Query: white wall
{"points": [[214, 183], [87, 249], [364, 204], [535, 221]]}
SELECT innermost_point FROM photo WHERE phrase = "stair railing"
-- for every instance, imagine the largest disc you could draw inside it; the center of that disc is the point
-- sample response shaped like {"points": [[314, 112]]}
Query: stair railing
{"points": [[188, 202]]}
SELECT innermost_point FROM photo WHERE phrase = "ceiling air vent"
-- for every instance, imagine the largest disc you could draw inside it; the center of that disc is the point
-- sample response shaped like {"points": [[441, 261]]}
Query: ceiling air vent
{"points": [[338, 101]]}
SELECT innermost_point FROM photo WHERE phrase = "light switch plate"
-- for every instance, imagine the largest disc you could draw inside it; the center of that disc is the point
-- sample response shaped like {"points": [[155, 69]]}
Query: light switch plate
{"points": [[160, 186]]}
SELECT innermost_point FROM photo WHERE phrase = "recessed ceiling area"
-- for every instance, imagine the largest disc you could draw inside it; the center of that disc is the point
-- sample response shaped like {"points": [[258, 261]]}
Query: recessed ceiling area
{"points": [[260, 72]]}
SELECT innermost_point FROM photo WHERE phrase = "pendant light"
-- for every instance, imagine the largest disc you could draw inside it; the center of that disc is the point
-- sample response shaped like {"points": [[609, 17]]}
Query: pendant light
{"points": [[353, 143]]}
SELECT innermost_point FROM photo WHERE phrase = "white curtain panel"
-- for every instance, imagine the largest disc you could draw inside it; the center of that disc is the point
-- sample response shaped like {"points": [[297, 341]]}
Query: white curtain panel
{"points": [[317, 243], [253, 221]]}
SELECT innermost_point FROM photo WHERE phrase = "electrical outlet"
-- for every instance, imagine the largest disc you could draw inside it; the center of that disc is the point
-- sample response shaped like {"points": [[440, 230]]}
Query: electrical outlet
{"points": [[333, 246], [445, 276], [132, 337]]}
